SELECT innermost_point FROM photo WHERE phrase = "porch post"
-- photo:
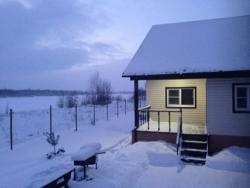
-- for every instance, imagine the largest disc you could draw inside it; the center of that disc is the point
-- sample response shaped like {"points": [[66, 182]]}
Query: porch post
{"points": [[136, 102]]}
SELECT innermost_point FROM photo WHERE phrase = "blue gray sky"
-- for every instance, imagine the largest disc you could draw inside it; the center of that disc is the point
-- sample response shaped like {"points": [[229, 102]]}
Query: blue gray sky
{"points": [[58, 44]]}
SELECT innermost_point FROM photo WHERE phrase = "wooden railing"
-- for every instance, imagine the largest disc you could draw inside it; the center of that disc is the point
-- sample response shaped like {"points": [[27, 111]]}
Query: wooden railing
{"points": [[144, 116], [145, 113]]}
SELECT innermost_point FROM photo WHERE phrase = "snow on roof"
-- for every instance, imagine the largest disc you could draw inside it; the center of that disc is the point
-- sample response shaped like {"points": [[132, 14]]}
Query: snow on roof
{"points": [[191, 47]]}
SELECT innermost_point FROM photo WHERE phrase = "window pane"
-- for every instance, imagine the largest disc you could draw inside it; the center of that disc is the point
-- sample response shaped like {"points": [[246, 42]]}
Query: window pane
{"points": [[173, 100], [187, 96], [242, 103], [241, 92], [173, 93]]}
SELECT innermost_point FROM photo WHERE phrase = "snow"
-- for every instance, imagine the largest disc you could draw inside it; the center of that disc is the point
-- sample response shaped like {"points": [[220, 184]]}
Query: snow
{"points": [[95, 146], [155, 164], [143, 164], [190, 47], [27, 103], [86, 152]]}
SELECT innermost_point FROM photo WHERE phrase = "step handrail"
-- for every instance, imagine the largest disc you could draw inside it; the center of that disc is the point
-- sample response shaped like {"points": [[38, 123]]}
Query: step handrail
{"points": [[179, 132]]}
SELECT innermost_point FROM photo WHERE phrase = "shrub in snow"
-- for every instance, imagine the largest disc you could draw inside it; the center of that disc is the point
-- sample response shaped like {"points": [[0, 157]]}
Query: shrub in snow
{"points": [[7, 109], [118, 98], [53, 140], [69, 101], [60, 102]]}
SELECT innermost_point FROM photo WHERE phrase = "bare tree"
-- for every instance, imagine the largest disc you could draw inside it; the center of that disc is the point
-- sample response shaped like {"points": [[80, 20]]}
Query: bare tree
{"points": [[99, 90]]}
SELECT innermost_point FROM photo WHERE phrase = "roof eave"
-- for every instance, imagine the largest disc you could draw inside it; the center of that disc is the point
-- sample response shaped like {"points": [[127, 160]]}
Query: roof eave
{"points": [[220, 74]]}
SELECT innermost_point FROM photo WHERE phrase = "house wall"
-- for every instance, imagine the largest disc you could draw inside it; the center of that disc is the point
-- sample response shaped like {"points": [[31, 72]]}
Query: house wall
{"points": [[155, 95], [220, 117]]}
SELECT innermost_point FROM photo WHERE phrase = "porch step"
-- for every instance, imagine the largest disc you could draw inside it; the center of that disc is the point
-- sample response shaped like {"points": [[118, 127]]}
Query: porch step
{"points": [[194, 152], [195, 141], [195, 160], [194, 148], [194, 144], [195, 137]]}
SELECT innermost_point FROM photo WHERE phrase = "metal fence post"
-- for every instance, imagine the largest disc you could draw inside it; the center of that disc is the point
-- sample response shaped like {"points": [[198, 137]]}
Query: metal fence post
{"points": [[76, 118], [11, 131], [117, 108], [94, 113], [107, 107], [125, 106], [50, 119]]}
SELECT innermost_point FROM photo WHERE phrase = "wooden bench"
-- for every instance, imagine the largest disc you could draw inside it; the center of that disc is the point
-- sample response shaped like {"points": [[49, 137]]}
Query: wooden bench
{"points": [[92, 160], [60, 181], [87, 155]]}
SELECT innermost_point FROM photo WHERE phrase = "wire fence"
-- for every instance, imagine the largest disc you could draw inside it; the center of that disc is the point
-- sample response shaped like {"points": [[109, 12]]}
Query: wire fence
{"points": [[16, 127]]}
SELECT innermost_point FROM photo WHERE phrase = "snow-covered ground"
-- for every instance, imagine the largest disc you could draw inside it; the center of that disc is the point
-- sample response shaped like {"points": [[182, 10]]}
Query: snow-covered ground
{"points": [[28, 159], [38, 102], [27, 103], [144, 164], [32, 121]]}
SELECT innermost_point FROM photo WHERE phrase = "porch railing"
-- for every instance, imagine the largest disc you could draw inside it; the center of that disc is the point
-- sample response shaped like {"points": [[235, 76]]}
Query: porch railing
{"points": [[179, 134], [145, 113]]}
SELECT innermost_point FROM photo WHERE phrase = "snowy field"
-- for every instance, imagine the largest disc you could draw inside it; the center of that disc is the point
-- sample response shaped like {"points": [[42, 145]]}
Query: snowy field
{"points": [[31, 116], [144, 164], [36, 102]]}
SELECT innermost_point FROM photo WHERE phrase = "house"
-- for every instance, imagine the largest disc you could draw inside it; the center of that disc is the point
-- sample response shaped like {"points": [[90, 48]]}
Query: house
{"points": [[197, 84]]}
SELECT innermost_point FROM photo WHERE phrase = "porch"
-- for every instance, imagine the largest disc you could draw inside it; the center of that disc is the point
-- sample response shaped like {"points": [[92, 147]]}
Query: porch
{"points": [[177, 115], [166, 121], [166, 127]]}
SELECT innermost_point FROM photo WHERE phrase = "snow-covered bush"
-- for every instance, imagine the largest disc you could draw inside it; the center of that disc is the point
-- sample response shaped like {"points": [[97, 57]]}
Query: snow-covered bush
{"points": [[69, 101], [7, 108], [53, 140], [60, 102]]}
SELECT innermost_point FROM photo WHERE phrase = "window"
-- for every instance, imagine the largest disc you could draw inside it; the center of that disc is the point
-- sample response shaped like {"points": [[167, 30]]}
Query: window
{"points": [[180, 97], [241, 99]]}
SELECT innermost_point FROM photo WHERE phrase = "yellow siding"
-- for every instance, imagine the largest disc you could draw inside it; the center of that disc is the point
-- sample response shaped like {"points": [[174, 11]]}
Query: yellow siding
{"points": [[156, 98]]}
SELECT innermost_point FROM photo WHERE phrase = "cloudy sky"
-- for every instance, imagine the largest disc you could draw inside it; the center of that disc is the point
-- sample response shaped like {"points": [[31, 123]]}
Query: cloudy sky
{"points": [[58, 44]]}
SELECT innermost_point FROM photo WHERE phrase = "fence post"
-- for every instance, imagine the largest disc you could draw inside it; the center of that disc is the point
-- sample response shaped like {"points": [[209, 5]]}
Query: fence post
{"points": [[169, 122], [148, 114], [158, 120], [107, 107], [117, 108], [50, 119], [76, 117], [94, 113], [11, 132], [125, 106]]}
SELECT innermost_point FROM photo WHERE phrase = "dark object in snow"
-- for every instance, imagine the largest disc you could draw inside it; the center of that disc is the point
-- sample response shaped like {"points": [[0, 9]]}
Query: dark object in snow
{"points": [[52, 154], [61, 181], [60, 150]]}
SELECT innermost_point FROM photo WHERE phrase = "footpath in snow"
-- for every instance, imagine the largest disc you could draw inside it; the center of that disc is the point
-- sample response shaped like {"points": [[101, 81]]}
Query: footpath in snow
{"points": [[155, 164]]}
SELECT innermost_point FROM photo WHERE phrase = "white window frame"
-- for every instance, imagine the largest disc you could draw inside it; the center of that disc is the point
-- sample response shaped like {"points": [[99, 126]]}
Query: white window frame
{"points": [[236, 86], [180, 105]]}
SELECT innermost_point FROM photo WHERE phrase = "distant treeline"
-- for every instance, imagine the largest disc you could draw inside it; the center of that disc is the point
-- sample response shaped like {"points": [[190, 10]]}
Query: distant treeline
{"points": [[34, 92], [45, 92]]}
